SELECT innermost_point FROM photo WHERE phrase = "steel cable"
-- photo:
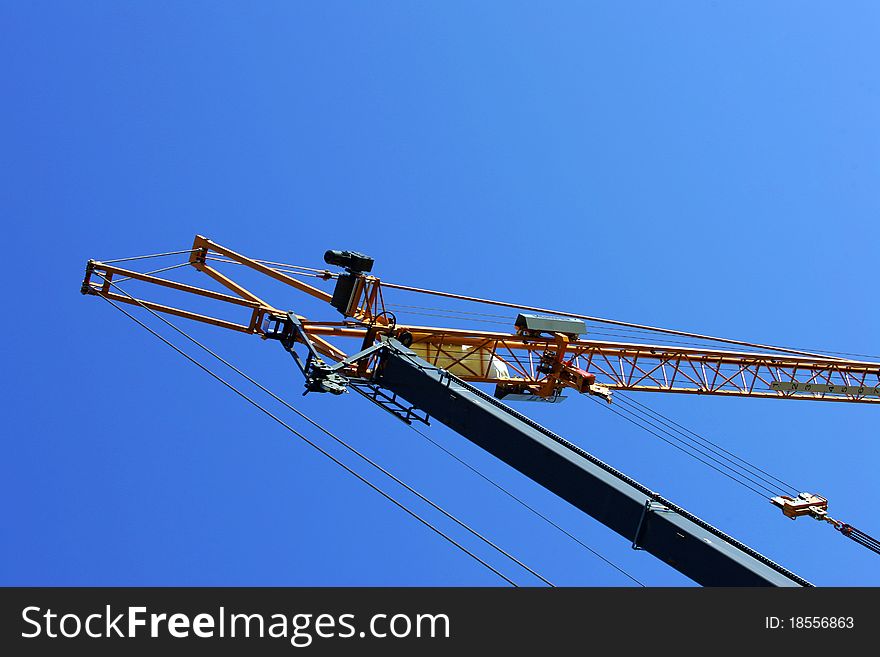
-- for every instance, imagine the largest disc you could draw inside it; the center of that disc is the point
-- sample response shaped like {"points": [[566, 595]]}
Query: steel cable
{"points": [[334, 437], [689, 442], [144, 257], [627, 417], [663, 419], [312, 444], [154, 271], [506, 304], [860, 537], [523, 503]]}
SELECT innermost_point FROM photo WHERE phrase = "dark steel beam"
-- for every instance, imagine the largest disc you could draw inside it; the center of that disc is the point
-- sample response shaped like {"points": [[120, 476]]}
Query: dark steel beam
{"points": [[649, 521]]}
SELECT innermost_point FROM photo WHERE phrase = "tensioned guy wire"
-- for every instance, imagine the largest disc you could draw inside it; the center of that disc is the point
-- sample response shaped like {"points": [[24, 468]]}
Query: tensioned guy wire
{"points": [[599, 329], [335, 438], [683, 439], [727, 474], [739, 468], [549, 311], [309, 442], [273, 265], [595, 328], [144, 257], [706, 440], [834, 355], [155, 271], [450, 310], [736, 465], [523, 503], [641, 410], [610, 334], [446, 316]]}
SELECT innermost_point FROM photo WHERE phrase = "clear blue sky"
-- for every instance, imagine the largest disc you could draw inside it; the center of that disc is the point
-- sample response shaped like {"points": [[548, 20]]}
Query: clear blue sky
{"points": [[705, 166]]}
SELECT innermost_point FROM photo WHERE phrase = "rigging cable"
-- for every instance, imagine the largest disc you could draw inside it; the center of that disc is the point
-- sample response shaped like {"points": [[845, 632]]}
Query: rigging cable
{"points": [[452, 455], [603, 333], [324, 430], [315, 445], [322, 273], [859, 537], [627, 417], [640, 414], [523, 503], [686, 440], [155, 271], [615, 322], [686, 437], [279, 266], [152, 255], [599, 329], [663, 418]]}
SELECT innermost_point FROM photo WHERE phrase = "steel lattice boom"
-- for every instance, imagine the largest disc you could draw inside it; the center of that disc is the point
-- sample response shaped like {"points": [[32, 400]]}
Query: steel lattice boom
{"points": [[528, 364], [417, 371]]}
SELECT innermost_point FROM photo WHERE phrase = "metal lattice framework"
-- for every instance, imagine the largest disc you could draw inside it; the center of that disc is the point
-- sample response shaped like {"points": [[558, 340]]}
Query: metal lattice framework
{"points": [[540, 365], [653, 368]]}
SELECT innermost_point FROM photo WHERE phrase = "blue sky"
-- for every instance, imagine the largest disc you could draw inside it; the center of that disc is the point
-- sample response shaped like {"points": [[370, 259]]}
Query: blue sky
{"points": [[705, 166]]}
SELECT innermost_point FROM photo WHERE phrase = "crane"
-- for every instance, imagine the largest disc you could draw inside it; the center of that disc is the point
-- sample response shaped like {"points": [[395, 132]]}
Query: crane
{"points": [[421, 372]]}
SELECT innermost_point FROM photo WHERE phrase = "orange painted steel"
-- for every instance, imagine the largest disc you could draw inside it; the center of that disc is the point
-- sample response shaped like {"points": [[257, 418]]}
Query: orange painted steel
{"points": [[613, 322], [202, 245], [543, 364]]}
